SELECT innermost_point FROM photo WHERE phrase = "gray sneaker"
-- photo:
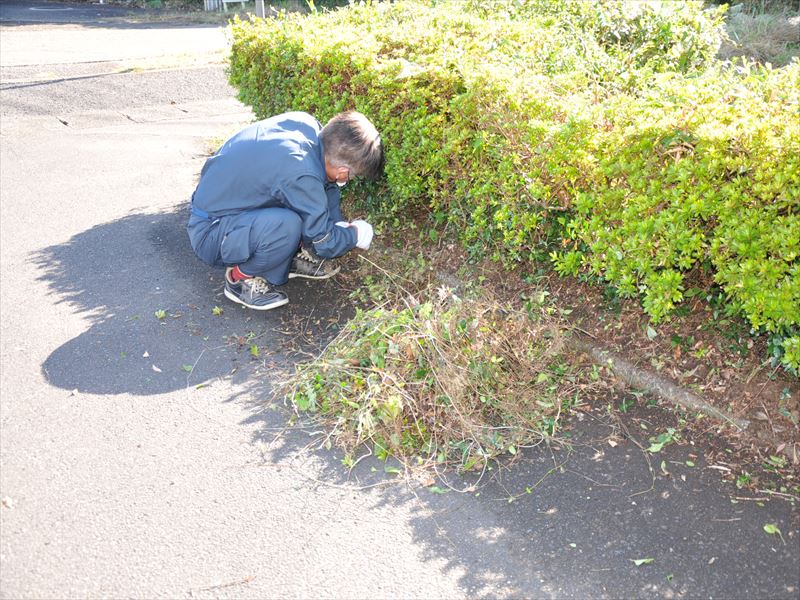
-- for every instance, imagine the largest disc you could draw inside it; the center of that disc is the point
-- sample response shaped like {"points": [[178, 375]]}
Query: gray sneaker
{"points": [[255, 293], [309, 265]]}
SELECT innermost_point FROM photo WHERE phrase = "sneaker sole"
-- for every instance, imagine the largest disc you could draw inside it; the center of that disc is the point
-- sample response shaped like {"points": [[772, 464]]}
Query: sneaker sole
{"points": [[326, 276], [231, 296]]}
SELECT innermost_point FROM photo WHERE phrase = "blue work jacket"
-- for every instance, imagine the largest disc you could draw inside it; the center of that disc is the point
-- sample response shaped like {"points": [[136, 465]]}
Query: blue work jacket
{"points": [[277, 162]]}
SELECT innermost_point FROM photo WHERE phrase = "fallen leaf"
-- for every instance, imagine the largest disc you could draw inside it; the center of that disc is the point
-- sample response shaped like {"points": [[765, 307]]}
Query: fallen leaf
{"points": [[772, 529], [642, 561]]}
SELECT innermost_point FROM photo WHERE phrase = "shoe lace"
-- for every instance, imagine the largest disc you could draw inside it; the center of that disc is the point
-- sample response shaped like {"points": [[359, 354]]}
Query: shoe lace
{"points": [[259, 285], [305, 255]]}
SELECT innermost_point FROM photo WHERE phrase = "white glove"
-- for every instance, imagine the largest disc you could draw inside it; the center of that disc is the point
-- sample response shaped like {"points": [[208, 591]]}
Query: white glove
{"points": [[365, 233]]}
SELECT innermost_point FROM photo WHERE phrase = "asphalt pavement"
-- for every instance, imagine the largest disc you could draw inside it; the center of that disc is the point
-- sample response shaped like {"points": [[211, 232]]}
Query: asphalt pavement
{"points": [[141, 452]]}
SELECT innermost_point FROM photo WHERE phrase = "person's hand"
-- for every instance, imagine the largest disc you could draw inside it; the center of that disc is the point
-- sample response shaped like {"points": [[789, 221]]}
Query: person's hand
{"points": [[365, 233]]}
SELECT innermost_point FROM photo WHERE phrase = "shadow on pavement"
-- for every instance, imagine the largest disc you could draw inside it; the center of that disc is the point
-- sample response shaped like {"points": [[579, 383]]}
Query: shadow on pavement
{"points": [[118, 275], [565, 522], [569, 521]]}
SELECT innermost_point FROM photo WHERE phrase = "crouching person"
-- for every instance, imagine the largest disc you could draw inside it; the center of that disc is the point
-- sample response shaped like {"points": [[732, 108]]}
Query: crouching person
{"points": [[266, 206]]}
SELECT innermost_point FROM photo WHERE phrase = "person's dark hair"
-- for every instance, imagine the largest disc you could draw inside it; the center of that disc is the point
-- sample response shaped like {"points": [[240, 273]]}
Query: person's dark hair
{"points": [[350, 140]]}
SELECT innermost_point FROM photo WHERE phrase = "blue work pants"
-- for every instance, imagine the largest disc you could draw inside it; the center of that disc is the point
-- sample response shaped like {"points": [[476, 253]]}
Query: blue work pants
{"points": [[261, 242]]}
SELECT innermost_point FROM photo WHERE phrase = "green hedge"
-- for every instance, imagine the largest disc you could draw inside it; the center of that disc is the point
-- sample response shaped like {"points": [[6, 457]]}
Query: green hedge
{"points": [[603, 134]]}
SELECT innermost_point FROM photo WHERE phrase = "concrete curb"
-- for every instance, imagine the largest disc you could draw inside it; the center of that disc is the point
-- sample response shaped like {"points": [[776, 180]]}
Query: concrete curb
{"points": [[654, 384]]}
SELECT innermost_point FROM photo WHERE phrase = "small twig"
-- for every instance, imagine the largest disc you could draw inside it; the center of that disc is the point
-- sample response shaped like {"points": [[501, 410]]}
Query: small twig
{"points": [[194, 364], [324, 443], [467, 490], [391, 276], [369, 453], [761, 389], [766, 413], [303, 352], [552, 470], [278, 436], [349, 488], [593, 481], [308, 320], [439, 528], [575, 327], [646, 455], [782, 494], [247, 579]]}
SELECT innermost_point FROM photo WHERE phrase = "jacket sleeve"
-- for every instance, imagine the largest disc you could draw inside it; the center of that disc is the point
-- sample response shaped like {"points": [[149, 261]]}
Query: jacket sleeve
{"points": [[334, 202], [308, 198]]}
